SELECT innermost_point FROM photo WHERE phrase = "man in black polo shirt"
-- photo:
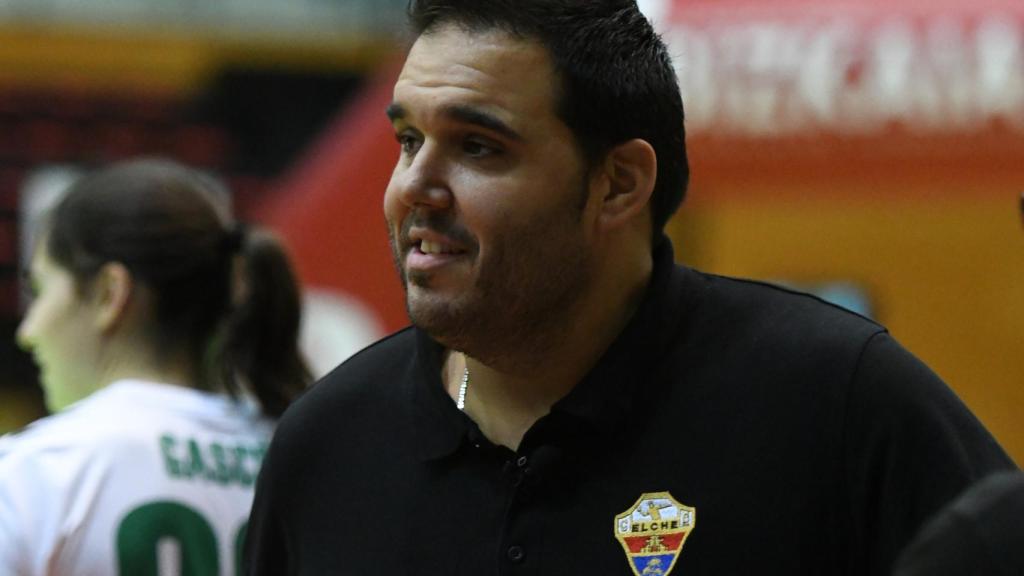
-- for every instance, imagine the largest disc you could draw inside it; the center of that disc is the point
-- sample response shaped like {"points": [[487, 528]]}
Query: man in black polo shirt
{"points": [[569, 401]]}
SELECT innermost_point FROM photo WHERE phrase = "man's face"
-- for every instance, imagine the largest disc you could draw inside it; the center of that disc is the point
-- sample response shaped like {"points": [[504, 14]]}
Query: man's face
{"points": [[486, 204]]}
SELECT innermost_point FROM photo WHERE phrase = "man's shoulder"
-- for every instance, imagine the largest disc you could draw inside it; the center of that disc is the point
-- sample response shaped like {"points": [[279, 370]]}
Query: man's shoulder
{"points": [[387, 359], [372, 375], [366, 396], [759, 306]]}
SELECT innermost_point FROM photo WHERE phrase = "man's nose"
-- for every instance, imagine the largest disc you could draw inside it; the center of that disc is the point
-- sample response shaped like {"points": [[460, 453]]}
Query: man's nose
{"points": [[424, 182]]}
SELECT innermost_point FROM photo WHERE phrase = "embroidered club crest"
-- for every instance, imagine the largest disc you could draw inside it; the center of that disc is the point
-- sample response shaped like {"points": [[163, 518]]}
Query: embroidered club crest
{"points": [[652, 532]]}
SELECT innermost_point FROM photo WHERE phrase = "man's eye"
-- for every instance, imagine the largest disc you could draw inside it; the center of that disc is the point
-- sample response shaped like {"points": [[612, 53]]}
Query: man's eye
{"points": [[408, 142], [479, 149]]}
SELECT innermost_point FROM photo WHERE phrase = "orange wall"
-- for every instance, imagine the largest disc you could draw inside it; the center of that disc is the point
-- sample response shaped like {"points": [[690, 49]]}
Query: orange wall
{"points": [[943, 264]]}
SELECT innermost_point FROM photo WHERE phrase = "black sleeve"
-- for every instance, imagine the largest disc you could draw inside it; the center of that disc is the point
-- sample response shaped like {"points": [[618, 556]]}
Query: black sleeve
{"points": [[266, 546], [911, 446], [982, 532]]}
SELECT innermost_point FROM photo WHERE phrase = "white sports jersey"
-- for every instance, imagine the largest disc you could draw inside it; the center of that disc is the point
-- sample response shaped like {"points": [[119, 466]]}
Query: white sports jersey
{"points": [[137, 479]]}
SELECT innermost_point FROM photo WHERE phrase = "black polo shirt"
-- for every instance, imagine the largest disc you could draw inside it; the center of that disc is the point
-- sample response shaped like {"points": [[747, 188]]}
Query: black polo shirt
{"points": [[733, 428]]}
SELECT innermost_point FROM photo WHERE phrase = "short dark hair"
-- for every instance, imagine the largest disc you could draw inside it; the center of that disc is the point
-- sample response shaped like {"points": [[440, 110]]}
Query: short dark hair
{"points": [[618, 82], [161, 221]]}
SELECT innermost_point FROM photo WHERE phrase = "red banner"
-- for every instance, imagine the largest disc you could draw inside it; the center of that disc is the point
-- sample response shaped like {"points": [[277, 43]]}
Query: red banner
{"points": [[772, 69]]}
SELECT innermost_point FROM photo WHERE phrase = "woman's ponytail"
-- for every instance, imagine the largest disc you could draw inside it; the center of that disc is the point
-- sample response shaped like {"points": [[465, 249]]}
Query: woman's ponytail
{"points": [[260, 340]]}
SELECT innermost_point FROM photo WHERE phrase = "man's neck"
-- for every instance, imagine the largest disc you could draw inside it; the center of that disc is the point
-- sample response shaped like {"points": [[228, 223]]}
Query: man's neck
{"points": [[506, 403]]}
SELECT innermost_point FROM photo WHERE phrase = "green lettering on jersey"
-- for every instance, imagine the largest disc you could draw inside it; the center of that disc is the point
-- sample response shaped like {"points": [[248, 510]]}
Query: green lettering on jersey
{"points": [[224, 464], [221, 474], [195, 466], [167, 443], [238, 472]]}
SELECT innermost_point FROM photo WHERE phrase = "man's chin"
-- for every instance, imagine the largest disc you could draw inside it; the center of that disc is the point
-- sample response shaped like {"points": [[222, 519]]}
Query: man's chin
{"points": [[427, 313], [444, 320]]}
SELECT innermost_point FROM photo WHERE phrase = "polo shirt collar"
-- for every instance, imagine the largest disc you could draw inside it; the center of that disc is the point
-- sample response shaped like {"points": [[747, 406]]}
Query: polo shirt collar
{"points": [[605, 396]]}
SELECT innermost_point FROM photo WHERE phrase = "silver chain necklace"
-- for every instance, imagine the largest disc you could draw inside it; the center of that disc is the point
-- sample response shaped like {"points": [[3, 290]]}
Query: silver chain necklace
{"points": [[461, 401]]}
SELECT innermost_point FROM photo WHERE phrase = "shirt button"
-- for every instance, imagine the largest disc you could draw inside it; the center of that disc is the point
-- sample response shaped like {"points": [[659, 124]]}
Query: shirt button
{"points": [[521, 461], [516, 554]]}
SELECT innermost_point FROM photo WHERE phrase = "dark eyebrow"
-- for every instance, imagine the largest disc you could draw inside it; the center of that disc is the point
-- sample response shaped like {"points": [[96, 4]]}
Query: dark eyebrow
{"points": [[395, 111], [470, 115], [466, 115]]}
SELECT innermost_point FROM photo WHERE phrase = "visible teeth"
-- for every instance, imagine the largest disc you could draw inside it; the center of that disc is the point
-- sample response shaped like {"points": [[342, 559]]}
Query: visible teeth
{"points": [[428, 247]]}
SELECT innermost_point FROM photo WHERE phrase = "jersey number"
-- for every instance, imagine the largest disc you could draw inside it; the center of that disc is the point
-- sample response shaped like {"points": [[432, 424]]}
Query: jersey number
{"points": [[152, 532]]}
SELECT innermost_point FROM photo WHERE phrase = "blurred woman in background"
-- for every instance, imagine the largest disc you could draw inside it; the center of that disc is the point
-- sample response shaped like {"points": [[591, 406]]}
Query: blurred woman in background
{"points": [[166, 337]]}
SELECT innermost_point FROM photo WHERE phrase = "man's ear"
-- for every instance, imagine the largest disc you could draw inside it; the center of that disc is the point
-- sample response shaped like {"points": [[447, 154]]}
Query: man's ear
{"points": [[112, 292], [631, 170]]}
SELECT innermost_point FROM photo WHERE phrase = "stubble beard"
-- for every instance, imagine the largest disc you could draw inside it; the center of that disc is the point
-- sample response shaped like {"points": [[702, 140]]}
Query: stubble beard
{"points": [[521, 304]]}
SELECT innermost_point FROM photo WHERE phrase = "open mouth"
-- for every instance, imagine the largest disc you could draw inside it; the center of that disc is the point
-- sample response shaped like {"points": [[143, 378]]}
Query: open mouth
{"points": [[437, 248]]}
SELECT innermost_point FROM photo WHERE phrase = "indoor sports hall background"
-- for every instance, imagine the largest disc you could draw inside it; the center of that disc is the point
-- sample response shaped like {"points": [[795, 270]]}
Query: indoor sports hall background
{"points": [[869, 151]]}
